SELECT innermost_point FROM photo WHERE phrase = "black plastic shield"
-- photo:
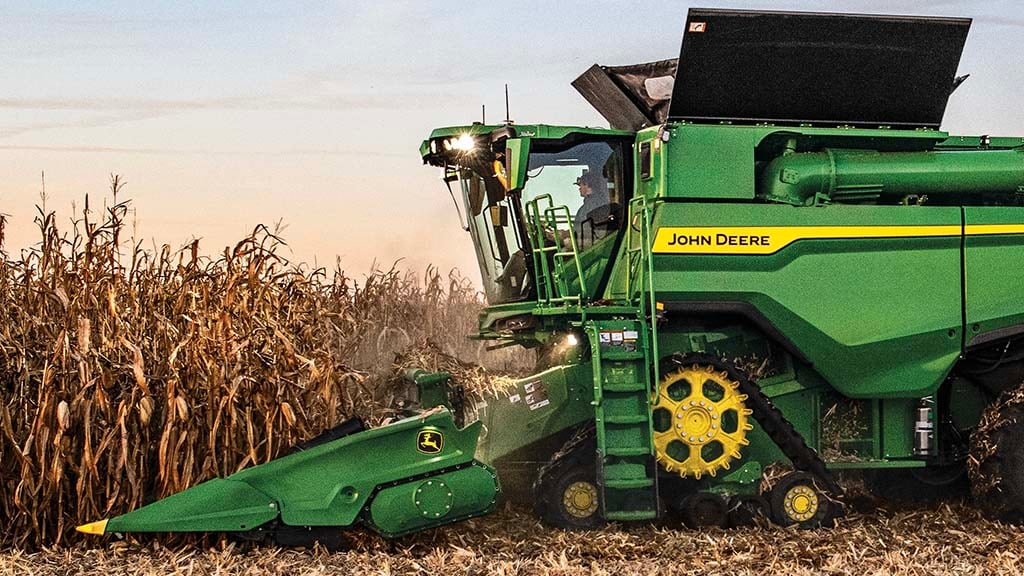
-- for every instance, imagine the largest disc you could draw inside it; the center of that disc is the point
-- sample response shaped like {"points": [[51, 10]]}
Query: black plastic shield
{"points": [[817, 68]]}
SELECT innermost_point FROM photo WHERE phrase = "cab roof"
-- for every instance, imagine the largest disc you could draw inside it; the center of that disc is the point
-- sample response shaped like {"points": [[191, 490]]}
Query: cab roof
{"points": [[497, 131]]}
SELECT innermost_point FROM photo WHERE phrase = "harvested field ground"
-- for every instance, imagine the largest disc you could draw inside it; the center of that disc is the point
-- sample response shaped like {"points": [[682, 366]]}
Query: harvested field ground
{"points": [[940, 540]]}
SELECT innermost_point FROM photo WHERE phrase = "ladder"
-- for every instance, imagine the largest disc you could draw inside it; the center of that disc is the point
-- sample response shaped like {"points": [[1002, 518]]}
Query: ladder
{"points": [[626, 466], [625, 362]]}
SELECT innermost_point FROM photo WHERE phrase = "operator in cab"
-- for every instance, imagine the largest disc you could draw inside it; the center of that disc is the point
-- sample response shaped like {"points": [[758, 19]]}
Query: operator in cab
{"points": [[589, 225]]}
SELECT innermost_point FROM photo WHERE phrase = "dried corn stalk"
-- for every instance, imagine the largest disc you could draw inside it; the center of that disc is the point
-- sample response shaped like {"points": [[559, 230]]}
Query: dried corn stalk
{"points": [[128, 375]]}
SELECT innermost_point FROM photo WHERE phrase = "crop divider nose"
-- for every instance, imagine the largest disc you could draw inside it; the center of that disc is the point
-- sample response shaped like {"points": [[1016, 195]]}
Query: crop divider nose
{"points": [[99, 528]]}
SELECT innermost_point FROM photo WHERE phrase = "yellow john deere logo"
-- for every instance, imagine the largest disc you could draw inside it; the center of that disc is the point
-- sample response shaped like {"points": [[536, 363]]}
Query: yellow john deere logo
{"points": [[429, 441]]}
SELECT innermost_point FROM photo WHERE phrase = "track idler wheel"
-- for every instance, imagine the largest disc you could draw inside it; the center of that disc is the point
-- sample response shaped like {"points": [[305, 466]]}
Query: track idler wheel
{"points": [[797, 499], [574, 502], [566, 491]]}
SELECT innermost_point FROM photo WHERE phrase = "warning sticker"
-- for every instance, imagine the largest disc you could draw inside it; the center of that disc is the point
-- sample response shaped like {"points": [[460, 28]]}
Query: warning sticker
{"points": [[536, 395]]}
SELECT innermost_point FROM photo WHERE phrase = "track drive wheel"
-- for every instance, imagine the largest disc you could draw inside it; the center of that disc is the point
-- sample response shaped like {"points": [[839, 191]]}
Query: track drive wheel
{"points": [[997, 481], [796, 499], [699, 416]]}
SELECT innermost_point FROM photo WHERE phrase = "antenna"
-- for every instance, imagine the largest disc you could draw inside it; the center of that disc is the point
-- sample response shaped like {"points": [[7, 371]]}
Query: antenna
{"points": [[508, 119]]}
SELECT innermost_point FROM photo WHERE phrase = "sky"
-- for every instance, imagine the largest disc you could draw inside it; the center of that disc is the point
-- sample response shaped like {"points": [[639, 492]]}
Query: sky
{"points": [[222, 116]]}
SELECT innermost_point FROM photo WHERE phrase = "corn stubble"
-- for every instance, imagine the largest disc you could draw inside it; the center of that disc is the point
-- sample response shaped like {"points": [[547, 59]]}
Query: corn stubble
{"points": [[130, 374]]}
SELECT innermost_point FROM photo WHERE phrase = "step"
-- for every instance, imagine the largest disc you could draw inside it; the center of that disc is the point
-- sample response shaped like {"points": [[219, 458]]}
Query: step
{"points": [[622, 355], [637, 419], [624, 470], [631, 514], [625, 484], [631, 387], [627, 451]]}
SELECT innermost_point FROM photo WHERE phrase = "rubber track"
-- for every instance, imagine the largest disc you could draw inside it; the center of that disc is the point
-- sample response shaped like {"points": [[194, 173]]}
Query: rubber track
{"points": [[571, 450], [770, 418]]}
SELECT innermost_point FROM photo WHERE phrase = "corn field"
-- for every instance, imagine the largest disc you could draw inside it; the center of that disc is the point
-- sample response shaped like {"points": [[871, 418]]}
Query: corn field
{"points": [[130, 374]]}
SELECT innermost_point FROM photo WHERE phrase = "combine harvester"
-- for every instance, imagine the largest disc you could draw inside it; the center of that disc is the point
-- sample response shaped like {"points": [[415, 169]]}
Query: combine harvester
{"points": [[773, 260]]}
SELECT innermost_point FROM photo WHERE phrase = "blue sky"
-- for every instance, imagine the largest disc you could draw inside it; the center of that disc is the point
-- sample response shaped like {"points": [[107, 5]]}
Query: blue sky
{"points": [[224, 116]]}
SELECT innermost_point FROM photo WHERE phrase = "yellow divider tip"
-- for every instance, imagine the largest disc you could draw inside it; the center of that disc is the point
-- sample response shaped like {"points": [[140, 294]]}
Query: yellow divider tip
{"points": [[99, 528]]}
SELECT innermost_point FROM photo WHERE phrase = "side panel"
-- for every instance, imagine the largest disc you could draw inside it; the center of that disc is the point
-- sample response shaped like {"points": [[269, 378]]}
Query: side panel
{"points": [[994, 269], [877, 316], [435, 500], [727, 173], [538, 407]]}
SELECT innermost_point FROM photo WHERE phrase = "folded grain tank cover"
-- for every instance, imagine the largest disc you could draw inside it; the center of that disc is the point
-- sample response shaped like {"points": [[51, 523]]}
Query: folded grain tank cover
{"points": [[785, 67], [629, 97]]}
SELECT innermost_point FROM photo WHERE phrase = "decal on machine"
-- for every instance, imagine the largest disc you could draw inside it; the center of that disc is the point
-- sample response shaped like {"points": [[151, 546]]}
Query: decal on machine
{"points": [[429, 441], [535, 395], [625, 339], [753, 240]]}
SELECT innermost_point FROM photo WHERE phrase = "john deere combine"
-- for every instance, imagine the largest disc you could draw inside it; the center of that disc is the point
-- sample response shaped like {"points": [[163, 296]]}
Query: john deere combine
{"points": [[773, 267]]}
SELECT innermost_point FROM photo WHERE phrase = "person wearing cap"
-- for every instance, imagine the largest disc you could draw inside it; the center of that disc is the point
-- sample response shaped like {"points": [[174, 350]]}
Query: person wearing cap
{"points": [[594, 210]]}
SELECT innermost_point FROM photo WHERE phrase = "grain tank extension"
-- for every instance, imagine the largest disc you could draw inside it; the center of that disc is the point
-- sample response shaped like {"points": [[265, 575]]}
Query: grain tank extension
{"points": [[773, 259]]}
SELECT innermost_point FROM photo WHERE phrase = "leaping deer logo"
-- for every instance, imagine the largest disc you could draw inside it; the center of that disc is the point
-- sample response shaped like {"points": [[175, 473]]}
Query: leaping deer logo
{"points": [[429, 442]]}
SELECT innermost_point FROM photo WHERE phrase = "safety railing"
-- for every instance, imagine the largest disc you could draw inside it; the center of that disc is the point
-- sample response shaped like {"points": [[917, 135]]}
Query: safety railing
{"points": [[554, 251], [640, 279]]}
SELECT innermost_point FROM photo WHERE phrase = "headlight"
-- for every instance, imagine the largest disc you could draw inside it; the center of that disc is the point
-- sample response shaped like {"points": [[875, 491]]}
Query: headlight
{"points": [[464, 143]]}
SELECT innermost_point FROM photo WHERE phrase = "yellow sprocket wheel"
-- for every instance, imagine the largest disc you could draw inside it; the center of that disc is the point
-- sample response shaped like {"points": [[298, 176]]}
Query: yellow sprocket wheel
{"points": [[700, 421]]}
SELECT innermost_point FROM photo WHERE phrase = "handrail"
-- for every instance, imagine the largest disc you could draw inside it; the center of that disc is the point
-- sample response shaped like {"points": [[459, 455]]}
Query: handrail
{"points": [[552, 286], [540, 262], [649, 305], [552, 214]]}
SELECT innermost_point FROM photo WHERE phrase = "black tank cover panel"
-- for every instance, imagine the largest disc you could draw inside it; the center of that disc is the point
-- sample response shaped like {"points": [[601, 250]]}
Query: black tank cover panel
{"points": [[869, 71]]}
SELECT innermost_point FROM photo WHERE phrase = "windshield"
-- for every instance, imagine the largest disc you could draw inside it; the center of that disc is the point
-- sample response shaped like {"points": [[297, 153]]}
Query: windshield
{"points": [[494, 226], [587, 179]]}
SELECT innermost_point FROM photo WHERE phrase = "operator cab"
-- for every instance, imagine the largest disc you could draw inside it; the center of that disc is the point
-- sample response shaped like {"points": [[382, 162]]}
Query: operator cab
{"points": [[500, 173]]}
